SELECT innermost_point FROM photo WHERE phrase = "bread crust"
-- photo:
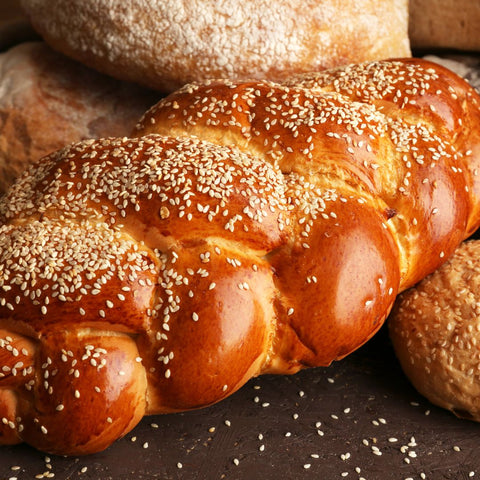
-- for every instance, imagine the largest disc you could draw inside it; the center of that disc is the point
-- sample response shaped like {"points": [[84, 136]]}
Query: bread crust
{"points": [[48, 101], [165, 44], [244, 228]]}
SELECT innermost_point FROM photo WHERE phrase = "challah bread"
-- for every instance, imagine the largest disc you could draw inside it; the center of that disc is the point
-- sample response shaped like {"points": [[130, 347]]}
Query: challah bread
{"points": [[246, 228], [48, 101], [418, 105], [166, 43], [435, 333]]}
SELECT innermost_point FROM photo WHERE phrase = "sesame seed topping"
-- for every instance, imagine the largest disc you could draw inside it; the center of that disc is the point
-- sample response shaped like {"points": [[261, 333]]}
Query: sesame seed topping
{"points": [[69, 227]]}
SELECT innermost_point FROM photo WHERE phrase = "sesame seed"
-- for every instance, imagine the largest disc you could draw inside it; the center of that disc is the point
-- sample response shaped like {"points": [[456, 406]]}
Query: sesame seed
{"points": [[231, 192]]}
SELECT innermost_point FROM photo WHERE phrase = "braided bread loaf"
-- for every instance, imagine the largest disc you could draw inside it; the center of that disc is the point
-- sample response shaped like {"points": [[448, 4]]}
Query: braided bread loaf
{"points": [[245, 229]]}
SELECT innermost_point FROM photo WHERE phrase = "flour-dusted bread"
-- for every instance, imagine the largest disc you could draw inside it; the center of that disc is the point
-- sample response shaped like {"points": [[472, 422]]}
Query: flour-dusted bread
{"points": [[167, 43], [48, 101], [244, 228]]}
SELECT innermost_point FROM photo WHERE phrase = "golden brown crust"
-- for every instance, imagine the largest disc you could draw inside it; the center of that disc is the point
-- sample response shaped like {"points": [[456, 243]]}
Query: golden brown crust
{"points": [[48, 101], [247, 228], [85, 394], [165, 44], [375, 132], [435, 330]]}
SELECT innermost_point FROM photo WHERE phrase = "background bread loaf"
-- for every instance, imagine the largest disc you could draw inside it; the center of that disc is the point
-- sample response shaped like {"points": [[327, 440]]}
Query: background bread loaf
{"points": [[48, 101], [165, 44]]}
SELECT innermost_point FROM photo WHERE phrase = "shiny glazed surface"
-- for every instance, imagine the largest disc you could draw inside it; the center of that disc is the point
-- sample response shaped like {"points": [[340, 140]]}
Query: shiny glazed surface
{"points": [[243, 229]]}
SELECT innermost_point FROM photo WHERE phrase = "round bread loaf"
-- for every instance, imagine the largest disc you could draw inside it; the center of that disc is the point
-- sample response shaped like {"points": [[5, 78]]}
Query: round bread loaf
{"points": [[435, 329], [167, 43], [48, 101]]}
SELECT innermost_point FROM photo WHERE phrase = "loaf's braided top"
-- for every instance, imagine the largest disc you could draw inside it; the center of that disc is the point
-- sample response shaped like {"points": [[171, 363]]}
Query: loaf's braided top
{"points": [[245, 228]]}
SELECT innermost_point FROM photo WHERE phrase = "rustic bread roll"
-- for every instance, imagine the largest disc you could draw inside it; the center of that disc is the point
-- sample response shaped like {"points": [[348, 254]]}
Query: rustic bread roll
{"points": [[48, 101], [248, 228], [435, 329], [166, 43], [445, 24]]}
